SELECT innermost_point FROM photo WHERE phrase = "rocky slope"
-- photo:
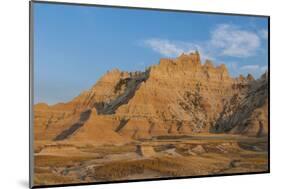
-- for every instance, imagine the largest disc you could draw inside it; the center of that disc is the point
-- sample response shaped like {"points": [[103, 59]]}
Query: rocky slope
{"points": [[246, 113], [176, 96]]}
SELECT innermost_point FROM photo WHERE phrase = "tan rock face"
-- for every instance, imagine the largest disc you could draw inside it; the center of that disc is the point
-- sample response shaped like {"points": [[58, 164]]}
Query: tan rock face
{"points": [[176, 96]]}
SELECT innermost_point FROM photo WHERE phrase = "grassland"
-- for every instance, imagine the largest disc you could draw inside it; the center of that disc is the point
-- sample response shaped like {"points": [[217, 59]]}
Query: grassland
{"points": [[157, 158]]}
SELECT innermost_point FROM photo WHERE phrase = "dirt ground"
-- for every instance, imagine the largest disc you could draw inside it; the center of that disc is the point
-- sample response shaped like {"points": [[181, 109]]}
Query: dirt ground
{"points": [[159, 157]]}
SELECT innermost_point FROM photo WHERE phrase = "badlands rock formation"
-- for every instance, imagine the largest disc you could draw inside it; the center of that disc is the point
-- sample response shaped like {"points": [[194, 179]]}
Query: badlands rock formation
{"points": [[176, 96]]}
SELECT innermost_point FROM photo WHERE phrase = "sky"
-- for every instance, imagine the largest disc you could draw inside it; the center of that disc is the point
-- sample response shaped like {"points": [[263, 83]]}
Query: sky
{"points": [[75, 45]]}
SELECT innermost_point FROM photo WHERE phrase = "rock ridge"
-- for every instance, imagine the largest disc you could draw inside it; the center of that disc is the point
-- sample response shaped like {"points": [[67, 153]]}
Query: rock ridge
{"points": [[176, 96]]}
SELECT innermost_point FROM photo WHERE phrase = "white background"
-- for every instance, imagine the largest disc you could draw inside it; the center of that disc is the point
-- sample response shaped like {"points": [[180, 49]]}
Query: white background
{"points": [[14, 95]]}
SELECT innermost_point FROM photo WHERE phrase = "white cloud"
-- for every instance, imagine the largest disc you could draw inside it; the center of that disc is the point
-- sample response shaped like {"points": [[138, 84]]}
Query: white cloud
{"points": [[225, 40], [229, 40], [250, 67], [170, 48], [255, 69], [164, 47], [235, 69], [263, 33], [264, 68]]}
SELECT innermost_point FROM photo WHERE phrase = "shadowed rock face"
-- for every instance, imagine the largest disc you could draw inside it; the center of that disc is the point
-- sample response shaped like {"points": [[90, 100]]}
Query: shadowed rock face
{"points": [[176, 96], [84, 116], [246, 113]]}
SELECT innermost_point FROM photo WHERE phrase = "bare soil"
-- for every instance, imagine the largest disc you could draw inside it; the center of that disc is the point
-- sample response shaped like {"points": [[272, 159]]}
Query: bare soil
{"points": [[160, 157]]}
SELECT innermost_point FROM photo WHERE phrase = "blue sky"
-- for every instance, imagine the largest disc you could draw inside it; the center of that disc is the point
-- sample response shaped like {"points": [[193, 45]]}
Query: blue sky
{"points": [[75, 45]]}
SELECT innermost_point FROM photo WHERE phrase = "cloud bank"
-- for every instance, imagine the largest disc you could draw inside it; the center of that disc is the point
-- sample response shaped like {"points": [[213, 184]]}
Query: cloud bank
{"points": [[170, 48], [229, 40], [225, 41]]}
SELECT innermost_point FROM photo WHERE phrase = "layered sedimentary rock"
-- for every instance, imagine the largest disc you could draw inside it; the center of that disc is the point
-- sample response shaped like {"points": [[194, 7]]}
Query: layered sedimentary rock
{"points": [[176, 96], [246, 113]]}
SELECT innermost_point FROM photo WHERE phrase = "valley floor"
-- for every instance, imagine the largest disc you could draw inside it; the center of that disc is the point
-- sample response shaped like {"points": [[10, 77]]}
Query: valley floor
{"points": [[160, 157]]}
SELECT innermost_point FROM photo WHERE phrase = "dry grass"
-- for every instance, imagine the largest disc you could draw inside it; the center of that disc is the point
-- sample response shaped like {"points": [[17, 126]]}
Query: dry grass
{"points": [[164, 166], [114, 171], [217, 158], [59, 161], [49, 178], [108, 149]]}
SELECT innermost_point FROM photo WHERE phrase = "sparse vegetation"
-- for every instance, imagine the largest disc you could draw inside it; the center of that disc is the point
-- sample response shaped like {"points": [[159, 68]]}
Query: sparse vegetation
{"points": [[219, 156]]}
